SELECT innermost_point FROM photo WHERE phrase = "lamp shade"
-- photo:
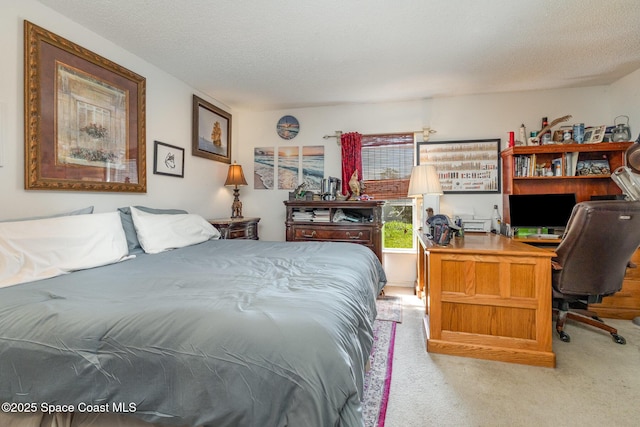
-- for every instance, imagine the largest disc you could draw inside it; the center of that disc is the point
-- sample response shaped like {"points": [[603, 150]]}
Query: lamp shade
{"points": [[235, 175], [424, 180]]}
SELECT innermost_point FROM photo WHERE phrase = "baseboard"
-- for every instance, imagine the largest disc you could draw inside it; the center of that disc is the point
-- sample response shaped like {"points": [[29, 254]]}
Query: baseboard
{"points": [[401, 284]]}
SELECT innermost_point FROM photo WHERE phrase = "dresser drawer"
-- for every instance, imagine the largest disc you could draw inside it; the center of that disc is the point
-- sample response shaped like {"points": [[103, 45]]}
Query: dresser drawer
{"points": [[354, 234]]}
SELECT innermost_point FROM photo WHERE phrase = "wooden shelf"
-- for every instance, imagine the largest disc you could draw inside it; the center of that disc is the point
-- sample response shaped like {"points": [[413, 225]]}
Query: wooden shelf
{"points": [[544, 178], [583, 186], [566, 148]]}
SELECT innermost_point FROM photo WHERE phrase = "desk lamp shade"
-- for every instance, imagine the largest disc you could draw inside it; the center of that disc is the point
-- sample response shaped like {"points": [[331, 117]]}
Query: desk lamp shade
{"points": [[235, 177], [424, 180]]}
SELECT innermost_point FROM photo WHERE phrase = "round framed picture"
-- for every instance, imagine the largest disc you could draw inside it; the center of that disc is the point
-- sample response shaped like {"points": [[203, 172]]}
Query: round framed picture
{"points": [[288, 127]]}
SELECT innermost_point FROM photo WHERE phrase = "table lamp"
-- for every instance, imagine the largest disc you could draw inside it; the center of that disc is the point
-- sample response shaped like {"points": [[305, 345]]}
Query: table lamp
{"points": [[235, 177], [424, 182]]}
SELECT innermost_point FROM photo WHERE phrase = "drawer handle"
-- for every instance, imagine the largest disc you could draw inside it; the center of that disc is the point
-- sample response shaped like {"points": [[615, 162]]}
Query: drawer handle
{"points": [[313, 234], [354, 237]]}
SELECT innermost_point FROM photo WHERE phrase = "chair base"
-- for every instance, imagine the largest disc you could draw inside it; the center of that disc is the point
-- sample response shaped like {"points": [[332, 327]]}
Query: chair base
{"points": [[586, 317]]}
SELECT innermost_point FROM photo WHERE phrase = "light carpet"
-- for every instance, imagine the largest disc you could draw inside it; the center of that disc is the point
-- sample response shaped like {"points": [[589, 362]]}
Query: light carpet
{"points": [[596, 382]]}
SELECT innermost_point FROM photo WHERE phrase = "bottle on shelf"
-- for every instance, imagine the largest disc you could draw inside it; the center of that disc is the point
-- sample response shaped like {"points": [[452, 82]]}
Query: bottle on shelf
{"points": [[495, 220], [545, 138]]}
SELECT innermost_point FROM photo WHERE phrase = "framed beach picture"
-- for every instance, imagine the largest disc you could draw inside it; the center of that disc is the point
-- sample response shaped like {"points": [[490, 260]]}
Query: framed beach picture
{"points": [[288, 167], [211, 131], [168, 159], [84, 118], [263, 168], [313, 167], [470, 166]]}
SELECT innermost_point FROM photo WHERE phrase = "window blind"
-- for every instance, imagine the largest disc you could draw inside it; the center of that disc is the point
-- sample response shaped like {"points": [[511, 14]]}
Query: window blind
{"points": [[387, 160]]}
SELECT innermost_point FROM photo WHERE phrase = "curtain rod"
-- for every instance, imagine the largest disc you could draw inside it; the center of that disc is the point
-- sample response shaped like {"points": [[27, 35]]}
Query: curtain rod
{"points": [[426, 132]]}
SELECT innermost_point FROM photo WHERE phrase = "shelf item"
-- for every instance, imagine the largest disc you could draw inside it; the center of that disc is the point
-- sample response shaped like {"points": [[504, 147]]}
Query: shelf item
{"points": [[336, 221]]}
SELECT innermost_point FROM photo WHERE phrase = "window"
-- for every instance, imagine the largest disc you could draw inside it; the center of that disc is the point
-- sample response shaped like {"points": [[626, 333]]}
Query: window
{"points": [[398, 224], [387, 160]]}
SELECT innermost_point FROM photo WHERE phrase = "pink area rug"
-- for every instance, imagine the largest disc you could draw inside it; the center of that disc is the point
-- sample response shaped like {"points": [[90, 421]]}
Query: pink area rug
{"points": [[389, 308], [377, 381]]}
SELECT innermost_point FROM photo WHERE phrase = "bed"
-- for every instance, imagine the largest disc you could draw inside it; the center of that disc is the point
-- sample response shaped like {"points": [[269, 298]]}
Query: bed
{"points": [[215, 333]]}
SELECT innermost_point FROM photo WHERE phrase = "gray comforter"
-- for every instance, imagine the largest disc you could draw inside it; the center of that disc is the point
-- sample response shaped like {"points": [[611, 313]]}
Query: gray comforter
{"points": [[224, 333]]}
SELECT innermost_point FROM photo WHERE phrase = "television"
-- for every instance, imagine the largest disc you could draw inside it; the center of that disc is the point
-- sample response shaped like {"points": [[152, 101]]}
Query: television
{"points": [[550, 211]]}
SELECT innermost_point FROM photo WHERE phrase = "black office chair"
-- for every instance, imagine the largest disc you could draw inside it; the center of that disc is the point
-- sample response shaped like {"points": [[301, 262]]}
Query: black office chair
{"points": [[592, 258]]}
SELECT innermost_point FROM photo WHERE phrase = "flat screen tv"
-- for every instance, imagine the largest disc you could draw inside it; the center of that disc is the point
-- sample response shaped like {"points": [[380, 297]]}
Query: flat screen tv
{"points": [[541, 210]]}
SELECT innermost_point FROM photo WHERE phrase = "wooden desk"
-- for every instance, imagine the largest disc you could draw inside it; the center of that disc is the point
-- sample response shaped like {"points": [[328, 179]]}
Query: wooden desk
{"points": [[538, 241], [488, 297]]}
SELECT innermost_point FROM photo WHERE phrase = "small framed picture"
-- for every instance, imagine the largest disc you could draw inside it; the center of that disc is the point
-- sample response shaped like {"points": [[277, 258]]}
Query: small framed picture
{"points": [[211, 133], [168, 159], [594, 134], [557, 136]]}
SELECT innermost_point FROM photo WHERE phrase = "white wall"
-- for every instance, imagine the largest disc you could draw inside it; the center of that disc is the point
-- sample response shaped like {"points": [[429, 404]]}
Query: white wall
{"points": [[168, 120], [625, 100]]}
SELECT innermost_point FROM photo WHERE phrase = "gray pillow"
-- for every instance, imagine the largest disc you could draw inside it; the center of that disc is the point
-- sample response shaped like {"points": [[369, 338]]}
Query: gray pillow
{"points": [[83, 211], [129, 229]]}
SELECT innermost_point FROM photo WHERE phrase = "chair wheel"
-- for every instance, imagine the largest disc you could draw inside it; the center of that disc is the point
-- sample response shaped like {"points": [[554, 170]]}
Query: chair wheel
{"points": [[618, 339], [564, 336]]}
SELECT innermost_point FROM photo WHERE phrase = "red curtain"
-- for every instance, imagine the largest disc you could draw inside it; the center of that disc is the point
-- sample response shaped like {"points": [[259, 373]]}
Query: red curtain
{"points": [[351, 144]]}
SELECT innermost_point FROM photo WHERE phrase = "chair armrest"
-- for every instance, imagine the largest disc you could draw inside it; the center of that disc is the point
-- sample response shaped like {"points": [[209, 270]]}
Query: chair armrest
{"points": [[555, 265]]}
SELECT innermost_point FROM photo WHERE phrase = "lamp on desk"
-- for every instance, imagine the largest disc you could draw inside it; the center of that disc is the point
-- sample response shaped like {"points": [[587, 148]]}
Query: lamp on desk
{"points": [[424, 182], [235, 177]]}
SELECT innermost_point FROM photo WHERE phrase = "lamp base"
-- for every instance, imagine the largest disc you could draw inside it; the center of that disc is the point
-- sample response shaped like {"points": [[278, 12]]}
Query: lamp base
{"points": [[236, 207]]}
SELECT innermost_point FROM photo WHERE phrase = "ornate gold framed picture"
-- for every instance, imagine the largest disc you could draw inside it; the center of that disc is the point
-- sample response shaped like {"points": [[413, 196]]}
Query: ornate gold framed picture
{"points": [[84, 118]]}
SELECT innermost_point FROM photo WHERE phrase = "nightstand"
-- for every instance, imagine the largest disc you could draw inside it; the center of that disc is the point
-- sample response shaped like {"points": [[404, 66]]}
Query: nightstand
{"points": [[237, 228]]}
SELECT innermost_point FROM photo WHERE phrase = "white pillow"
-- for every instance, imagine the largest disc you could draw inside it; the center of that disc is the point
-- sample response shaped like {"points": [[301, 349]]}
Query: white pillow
{"points": [[160, 232], [43, 248]]}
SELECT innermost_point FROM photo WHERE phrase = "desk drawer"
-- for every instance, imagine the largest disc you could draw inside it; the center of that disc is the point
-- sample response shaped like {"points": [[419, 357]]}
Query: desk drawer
{"points": [[338, 234]]}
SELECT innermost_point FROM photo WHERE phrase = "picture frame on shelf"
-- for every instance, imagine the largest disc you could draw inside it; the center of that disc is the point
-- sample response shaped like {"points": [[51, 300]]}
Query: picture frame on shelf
{"points": [[168, 159], [593, 167], [211, 131], [594, 134], [84, 118], [557, 136], [465, 166]]}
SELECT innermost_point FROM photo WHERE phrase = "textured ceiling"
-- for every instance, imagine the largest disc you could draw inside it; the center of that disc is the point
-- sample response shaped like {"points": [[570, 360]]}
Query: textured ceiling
{"points": [[294, 53]]}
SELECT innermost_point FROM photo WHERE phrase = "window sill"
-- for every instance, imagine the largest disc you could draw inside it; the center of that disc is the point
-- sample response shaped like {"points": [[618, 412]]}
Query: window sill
{"points": [[399, 251]]}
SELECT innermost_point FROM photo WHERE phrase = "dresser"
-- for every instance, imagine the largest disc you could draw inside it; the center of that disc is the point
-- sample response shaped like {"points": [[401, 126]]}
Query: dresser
{"points": [[237, 228], [336, 221]]}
